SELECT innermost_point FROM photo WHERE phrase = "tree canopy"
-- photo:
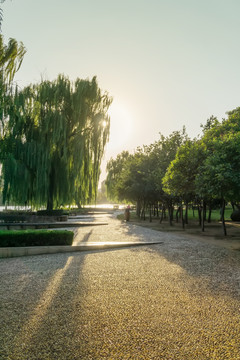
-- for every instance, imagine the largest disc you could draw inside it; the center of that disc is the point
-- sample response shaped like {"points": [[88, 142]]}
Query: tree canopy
{"points": [[176, 170], [53, 142], [52, 136], [138, 177]]}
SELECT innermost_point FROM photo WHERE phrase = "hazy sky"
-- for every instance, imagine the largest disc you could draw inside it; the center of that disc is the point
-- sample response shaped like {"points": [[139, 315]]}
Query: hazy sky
{"points": [[166, 63]]}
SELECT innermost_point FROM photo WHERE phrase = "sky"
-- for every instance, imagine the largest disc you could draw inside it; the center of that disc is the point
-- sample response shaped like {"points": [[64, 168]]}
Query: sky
{"points": [[166, 63]]}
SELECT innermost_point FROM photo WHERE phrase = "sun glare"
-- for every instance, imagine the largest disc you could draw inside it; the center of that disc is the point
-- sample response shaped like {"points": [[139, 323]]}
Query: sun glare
{"points": [[104, 124], [121, 125]]}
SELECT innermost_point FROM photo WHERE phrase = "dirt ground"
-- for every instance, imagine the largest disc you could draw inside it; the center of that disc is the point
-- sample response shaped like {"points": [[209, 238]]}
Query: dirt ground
{"points": [[212, 234]]}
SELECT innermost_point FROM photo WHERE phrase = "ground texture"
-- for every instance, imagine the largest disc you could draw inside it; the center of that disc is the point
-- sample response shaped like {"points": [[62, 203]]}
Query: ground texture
{"points": [[176, 300]]}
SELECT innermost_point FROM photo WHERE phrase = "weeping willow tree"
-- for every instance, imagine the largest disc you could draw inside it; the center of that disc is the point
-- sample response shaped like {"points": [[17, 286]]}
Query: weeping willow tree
{"points": [[11, 56], [1, 13], [54, 142]]}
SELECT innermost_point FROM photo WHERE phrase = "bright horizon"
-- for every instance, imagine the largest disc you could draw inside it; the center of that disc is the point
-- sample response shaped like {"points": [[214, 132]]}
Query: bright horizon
{"points": [[165, 63]]}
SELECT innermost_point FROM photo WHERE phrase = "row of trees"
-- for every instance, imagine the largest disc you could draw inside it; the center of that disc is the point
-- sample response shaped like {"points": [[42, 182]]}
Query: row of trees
{"points": [[52, 136], [177, 171]]}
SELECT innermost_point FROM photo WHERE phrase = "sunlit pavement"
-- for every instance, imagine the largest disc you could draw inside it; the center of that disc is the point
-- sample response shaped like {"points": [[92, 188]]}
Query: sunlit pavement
{"points": [[115, 231], [176, 300]]}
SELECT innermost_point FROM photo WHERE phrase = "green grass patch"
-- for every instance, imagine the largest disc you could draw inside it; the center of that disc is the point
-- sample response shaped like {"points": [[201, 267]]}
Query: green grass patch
{"points": [[17, 238], [215, 215]]}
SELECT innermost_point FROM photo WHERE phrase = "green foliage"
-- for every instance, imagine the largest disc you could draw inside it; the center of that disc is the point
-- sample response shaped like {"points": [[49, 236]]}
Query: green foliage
{"points": [[53, 143], [235, 216], [138, 177], [209, 167], [128, 176], [16, 238], [57, 212], [219, 176], [52, 136], [179, 178], [11, 57], [1, 17], [102, 194], [12, 217], [115, 168], [176, 170]]}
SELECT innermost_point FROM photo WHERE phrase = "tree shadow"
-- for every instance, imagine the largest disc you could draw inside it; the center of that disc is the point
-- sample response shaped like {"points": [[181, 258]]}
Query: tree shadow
{"points": [[81, 238], [35, 285], [217, 266]]}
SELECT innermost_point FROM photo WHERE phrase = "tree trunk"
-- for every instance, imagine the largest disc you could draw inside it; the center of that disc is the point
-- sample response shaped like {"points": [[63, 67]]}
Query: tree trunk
{"points": [[182, 217], [205, 210], [172, 211], [150, 213], [170, 214], [209, 214], [177, 212], [161, 217], [200, 215], [203, 217], [186, 213], [164, 213], [143, 215], [78, 204], [50, 202], [138, 208], [223, 219], [51, 189]]}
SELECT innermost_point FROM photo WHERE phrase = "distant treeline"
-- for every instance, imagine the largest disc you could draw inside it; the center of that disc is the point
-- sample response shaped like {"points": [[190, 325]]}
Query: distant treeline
{"points": [[177, 171]]}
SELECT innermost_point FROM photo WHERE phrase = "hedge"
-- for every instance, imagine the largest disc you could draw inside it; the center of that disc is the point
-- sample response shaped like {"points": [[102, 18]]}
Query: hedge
{"points": [[12, 218], [235, 216], [17, 238], [58, 212]]}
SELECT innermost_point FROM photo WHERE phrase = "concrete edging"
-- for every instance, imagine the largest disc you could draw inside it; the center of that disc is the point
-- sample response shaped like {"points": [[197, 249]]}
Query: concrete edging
{"points": [[53, 225], [40, 250]]}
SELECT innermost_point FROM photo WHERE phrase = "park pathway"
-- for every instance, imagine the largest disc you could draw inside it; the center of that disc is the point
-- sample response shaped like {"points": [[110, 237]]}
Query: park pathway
{"points": [[178, 300]]}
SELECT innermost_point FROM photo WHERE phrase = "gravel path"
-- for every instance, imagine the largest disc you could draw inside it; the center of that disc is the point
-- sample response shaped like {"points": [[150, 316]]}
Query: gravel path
{"points": [[178, 300]]}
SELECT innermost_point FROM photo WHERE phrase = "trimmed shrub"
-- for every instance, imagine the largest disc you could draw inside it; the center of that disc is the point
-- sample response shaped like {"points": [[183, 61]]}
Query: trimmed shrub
{"points": [[11, 218], [17, 238], [235, 216], [58, 212]]}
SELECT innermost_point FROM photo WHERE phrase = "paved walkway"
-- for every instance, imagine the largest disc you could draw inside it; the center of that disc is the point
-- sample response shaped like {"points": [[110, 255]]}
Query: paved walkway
{"points": [[115, 231], [176, 300]]}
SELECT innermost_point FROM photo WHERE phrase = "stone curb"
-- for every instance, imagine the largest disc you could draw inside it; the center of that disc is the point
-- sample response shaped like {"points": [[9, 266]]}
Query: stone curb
{"points": [[52, 225], [40, 250]]}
